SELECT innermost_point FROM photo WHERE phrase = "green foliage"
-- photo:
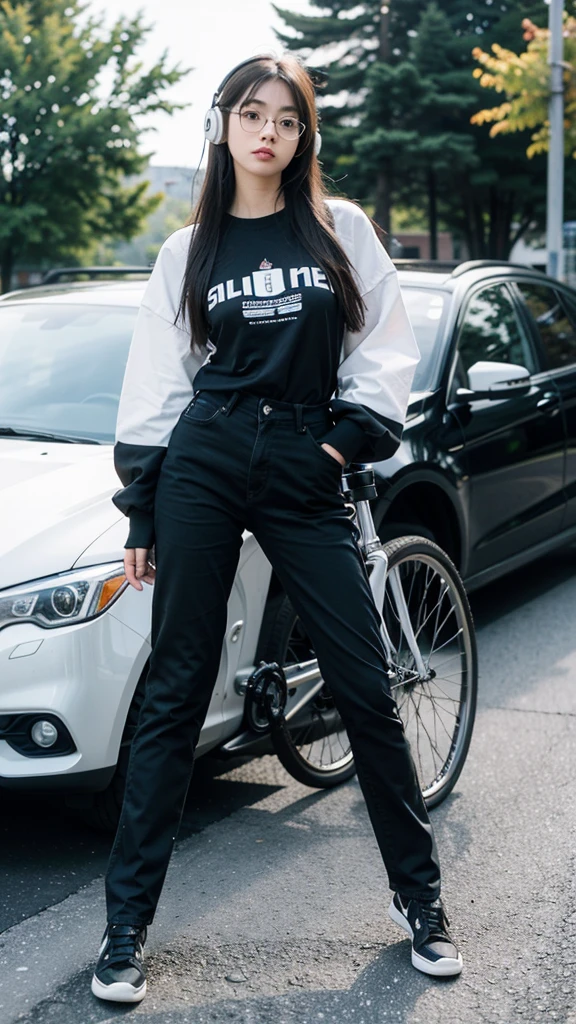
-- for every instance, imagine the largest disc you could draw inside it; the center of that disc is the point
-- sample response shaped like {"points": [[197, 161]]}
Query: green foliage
{"points": [[72, 95], [524, 78]]}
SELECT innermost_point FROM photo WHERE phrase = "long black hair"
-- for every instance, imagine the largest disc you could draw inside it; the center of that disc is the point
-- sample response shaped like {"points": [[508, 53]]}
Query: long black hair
{"points": [[304, 195]]}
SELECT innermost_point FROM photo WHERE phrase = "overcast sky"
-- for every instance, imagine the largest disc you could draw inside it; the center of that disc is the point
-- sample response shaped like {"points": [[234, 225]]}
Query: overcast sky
{"points": [[209, 36]]}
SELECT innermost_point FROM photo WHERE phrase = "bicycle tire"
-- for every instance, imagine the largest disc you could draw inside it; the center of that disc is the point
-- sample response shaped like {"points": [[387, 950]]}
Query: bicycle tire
{"points": [[279, 625], [402, 551]]}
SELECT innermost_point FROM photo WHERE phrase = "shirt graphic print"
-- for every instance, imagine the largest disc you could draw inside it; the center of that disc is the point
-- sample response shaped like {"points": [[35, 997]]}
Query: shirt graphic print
{"points": [[266, 283]]}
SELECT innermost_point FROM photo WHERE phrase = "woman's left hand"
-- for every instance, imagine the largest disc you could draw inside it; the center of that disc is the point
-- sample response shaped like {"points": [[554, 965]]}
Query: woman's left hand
{"points": [[335, 454]]}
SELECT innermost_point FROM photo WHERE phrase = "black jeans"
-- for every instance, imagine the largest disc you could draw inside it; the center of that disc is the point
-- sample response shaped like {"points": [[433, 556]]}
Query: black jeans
{"points": [[236, 462]]}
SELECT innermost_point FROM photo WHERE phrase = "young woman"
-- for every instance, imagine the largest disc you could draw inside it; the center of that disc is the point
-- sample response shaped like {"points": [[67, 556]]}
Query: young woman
{"points": [[271, 348]]}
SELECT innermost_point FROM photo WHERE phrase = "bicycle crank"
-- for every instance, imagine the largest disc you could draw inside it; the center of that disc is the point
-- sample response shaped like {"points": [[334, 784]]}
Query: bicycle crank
{"points": [[267, 693]]}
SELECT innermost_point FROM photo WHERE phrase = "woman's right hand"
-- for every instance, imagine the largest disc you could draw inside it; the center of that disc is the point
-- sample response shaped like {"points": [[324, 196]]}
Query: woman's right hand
{"points": [[138, 565]]}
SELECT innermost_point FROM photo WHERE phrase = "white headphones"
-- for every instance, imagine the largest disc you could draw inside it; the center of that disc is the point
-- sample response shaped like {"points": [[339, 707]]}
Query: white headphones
{"points": [[214, 121]]}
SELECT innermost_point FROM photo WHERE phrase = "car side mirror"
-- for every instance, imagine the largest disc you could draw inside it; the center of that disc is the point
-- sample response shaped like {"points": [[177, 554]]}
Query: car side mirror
{"points": [[494, 381]]}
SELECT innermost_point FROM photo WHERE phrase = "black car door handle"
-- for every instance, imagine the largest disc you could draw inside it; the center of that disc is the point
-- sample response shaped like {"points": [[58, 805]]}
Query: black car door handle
{"points": [[550, 400]]}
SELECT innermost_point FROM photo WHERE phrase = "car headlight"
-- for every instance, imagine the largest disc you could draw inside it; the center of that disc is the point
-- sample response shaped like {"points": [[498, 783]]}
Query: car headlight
{"points": [[66, 598]]}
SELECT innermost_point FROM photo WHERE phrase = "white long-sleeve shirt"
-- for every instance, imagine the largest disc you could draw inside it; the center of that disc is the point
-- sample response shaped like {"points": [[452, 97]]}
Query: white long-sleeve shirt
{"points": [[374, 369]]}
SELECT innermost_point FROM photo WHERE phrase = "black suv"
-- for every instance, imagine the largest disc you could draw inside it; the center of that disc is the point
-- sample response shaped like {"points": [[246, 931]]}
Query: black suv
{"points": [[487, 466]]}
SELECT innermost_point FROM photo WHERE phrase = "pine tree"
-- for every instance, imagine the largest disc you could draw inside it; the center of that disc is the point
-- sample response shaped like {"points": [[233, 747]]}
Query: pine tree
{"points": [[447, 144], [396, 119], [415, 116], [66, 140], [362, 34]]}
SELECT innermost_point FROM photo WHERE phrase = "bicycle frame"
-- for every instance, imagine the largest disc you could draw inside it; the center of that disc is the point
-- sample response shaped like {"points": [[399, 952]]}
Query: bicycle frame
{"points": [[359, 484]]}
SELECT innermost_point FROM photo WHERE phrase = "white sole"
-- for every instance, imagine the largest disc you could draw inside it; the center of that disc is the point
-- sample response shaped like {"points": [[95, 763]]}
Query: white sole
{"points": [[119, 991], [445, 968]]}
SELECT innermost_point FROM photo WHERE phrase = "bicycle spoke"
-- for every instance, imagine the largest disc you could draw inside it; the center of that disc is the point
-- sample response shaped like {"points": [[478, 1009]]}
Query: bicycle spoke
{"points": [[435, 697], [431, 612], [326, 740], [445, 711], [437, 633], [422, 772], [422, 608], [438, 607], [434, 718], [437, 717], [451, 658], [321, 746], [432, 745], [412, 582], [459, 633], [445, 696]]}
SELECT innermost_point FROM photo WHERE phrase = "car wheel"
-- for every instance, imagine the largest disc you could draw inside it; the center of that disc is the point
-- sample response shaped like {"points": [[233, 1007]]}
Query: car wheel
{"points": [[392, 531]]}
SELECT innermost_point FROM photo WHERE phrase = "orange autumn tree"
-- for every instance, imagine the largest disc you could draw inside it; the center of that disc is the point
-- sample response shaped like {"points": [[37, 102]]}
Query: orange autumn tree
{"points": [[524, 78]]}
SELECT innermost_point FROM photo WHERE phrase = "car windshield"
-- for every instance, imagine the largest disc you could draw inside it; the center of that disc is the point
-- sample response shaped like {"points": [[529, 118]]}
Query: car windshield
{"points": [[425, 308], [61, 367]]}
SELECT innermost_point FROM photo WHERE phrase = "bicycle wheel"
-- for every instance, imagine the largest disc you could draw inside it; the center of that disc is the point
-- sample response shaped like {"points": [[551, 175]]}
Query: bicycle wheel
{"points": [[312, 745], [437, 708]]}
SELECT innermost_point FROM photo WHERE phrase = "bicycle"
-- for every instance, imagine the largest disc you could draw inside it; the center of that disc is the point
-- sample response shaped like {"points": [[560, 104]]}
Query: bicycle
{"points": [[288, 709], [428, 635]]}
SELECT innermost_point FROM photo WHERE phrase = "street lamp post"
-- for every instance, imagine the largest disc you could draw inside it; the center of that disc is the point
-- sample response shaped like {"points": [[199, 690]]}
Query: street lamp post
{"points": [[555, 185]]}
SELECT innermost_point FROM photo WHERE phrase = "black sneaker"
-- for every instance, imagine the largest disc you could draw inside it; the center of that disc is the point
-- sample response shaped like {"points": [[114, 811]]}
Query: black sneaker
{"points": [[120, 974], [433, 950]]}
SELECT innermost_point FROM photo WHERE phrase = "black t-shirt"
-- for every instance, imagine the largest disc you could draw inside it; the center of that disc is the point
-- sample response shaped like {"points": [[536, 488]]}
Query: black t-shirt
{"points": [[276, 326]]}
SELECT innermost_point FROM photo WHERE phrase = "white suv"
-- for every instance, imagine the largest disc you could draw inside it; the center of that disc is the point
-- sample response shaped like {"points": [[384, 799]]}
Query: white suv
{"points": [[74, 636]]}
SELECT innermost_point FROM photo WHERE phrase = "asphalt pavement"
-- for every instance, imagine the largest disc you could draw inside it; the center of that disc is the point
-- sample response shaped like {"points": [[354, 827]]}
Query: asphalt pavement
{"points": [[274, 909]]}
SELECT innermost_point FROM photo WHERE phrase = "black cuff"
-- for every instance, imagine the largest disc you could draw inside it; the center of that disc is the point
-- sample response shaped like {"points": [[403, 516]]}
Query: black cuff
{"points": [[141, 533], [347, 437]]}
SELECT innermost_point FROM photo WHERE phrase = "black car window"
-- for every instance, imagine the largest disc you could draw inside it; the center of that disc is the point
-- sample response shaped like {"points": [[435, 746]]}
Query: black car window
{"points": [[426, 308], [556, 330], [491, 331]]}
